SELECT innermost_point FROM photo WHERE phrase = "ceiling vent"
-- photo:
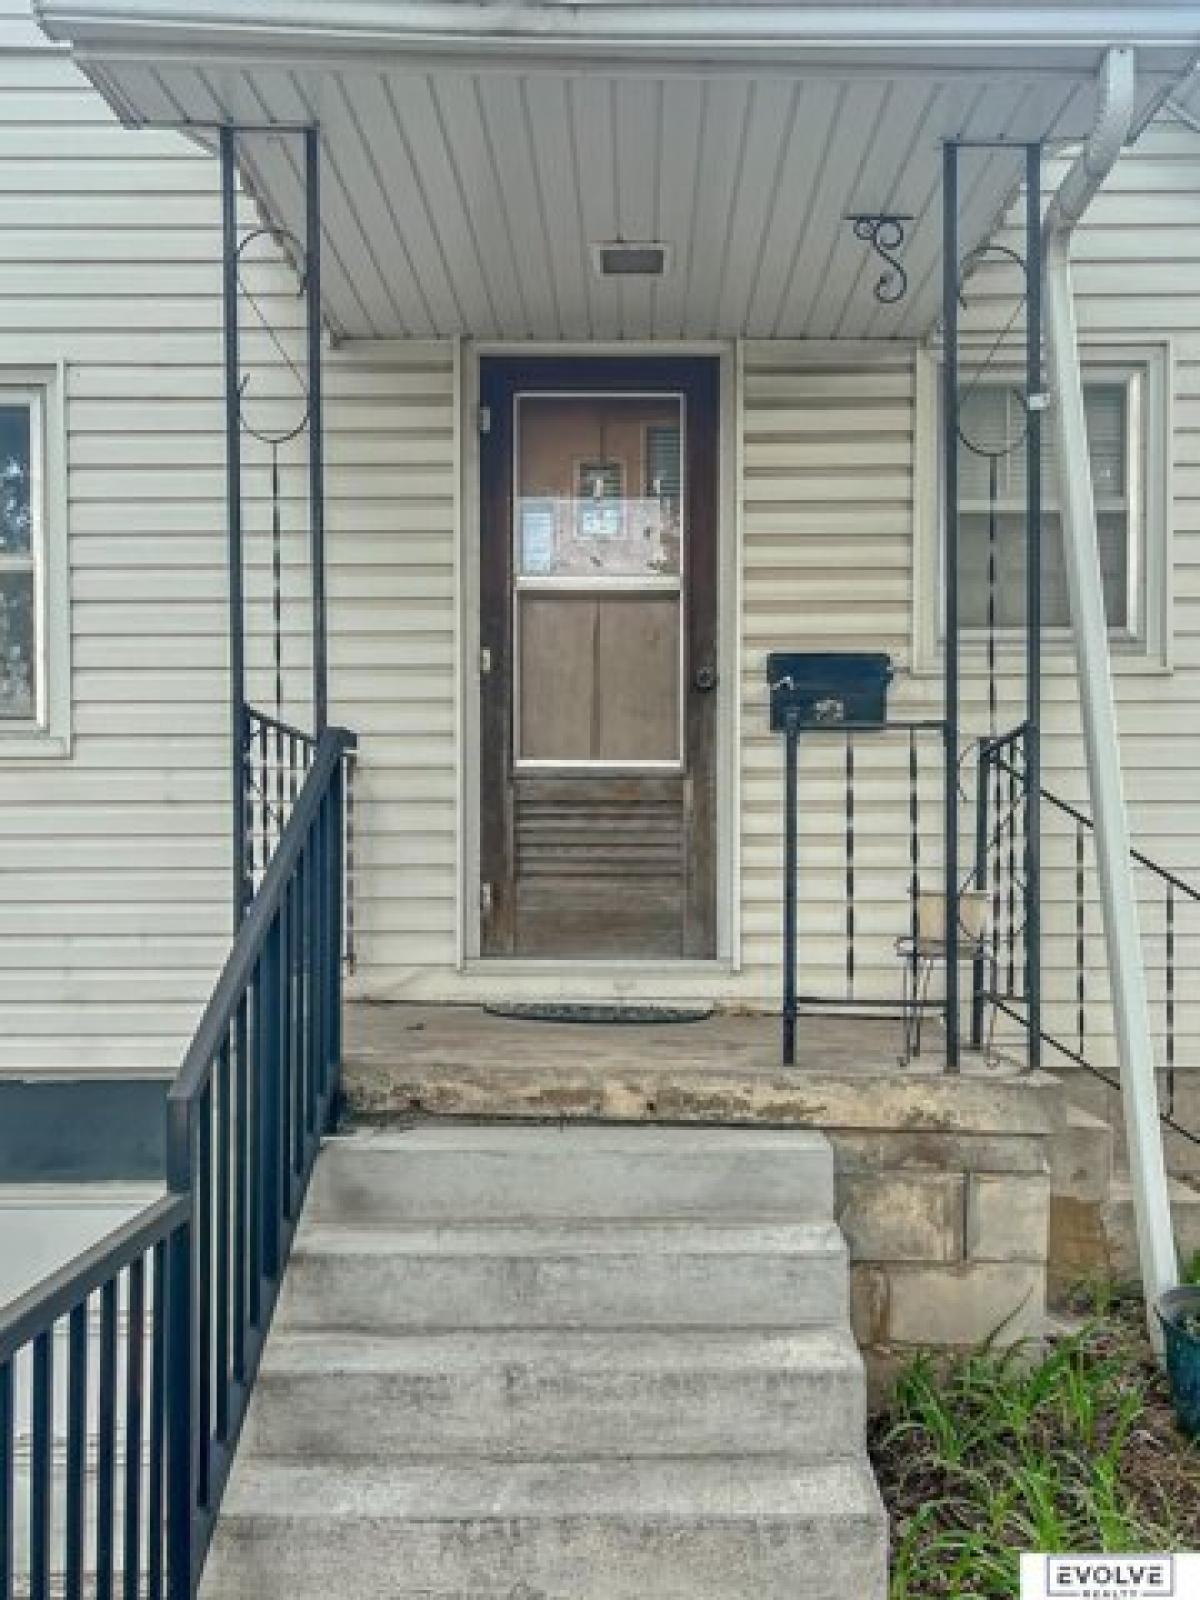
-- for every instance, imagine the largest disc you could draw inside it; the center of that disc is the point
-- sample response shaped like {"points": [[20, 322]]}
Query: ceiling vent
{"points": [[629, 259]]}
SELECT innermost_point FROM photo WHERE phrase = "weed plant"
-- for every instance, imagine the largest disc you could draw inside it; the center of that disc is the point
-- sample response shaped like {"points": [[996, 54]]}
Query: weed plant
{"points": [[1066, 1447]]}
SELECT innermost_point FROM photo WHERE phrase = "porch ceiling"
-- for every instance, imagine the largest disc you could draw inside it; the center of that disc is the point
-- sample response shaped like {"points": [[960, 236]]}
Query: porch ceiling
{"points": [[463, 188]]}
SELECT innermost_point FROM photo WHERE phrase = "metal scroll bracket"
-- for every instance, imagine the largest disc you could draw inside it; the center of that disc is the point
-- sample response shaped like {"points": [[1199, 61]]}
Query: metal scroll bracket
{"points": [[885, 232]]}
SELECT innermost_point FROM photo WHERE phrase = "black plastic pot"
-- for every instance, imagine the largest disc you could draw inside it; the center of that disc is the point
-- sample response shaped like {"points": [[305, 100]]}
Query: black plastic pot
{"points": [[1183, 1353]]}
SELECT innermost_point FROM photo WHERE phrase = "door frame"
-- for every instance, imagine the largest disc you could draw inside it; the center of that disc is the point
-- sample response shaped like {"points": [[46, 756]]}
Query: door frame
{"points": [[592, 974]]}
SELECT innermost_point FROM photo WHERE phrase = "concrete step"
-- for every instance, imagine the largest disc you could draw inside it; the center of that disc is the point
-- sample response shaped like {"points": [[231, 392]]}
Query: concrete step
{"points": [[586, 1530], [495, 1173], [1081, 1157], [564, 1393], [569, 1274], [1120, 1229]]}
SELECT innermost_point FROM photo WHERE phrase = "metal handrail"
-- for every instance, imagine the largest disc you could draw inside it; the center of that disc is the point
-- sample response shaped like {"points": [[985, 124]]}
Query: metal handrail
{"points": [[199, 1269], [192, 1074], [278, 725], [1000, 755], [61, 1291], [1189, 890], [256, 1091]]}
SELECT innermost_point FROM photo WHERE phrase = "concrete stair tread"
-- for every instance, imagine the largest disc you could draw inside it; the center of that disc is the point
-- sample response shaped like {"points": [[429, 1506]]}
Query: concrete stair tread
{"points": [[298, 1352], [686, 1490], [574, 1273], [571, 1236], [496, 1171], [581, 1139], [535, 1393]]}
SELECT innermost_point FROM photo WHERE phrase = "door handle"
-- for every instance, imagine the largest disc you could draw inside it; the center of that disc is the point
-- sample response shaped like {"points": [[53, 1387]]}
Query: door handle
{"points": [[705, 679]]}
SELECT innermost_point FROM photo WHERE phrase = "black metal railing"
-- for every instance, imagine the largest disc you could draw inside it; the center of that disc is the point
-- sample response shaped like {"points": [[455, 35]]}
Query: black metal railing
{"points": [[895, 858], [245, 1117], [93, 1357], [276, 758], [1000, 973], [255, 1093], [1074, 990]]}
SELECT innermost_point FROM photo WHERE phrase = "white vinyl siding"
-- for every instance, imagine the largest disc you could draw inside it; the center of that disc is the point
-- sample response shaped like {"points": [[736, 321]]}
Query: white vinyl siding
{"points": [[827, 525], [392, 530], [114, 872]]}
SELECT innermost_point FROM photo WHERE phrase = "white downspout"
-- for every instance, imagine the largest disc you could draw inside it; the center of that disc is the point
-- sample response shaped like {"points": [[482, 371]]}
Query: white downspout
{"points": [[1127, 975]]}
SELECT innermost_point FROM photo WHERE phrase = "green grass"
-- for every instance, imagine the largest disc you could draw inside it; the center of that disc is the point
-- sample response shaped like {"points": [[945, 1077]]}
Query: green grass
{"points": [[999, 1451]]}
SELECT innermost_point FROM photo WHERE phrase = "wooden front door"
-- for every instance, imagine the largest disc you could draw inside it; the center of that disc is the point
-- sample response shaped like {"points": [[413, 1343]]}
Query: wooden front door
{"points": [[598, 628]]}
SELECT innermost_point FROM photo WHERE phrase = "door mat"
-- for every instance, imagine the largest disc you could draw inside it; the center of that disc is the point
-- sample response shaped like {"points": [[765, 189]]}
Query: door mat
{"points": [[559, 1012]]}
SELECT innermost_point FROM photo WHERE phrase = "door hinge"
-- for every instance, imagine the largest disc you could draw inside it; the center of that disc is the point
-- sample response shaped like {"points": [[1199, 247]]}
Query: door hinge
{"points": [[486, 898], [485, 419], [485, 660]]}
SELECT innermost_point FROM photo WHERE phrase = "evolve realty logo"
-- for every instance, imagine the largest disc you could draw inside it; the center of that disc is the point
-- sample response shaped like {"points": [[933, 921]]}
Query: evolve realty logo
{"points": [[1110, 1577]]}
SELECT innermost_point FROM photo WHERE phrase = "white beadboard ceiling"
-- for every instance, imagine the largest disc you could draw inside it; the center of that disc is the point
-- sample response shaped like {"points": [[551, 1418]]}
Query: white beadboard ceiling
{"points": [[462, 191]]}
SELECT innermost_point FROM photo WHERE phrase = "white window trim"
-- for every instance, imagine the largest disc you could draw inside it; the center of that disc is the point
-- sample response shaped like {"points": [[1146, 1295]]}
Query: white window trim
{"points": [[48, 733], [1145, 647]]}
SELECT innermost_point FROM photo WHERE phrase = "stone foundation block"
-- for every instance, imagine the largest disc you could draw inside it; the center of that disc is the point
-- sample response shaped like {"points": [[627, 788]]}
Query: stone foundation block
{"points": [[1008, 1216], [966, 1304], [902, 1215]]}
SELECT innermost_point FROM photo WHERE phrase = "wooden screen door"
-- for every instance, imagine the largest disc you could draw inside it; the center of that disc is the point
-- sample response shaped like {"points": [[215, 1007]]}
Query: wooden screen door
{"points": [[598, 633]]}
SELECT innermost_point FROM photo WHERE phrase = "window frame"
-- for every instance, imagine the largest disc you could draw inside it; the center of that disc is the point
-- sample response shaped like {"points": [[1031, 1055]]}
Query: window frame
{"points": [[48, 732], [1144, 370]]}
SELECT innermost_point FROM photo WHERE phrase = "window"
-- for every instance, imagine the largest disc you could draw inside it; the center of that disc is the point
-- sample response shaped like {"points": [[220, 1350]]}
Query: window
{"points": [[34, 670], [992, 421], [598, 590], [1127, 407]]}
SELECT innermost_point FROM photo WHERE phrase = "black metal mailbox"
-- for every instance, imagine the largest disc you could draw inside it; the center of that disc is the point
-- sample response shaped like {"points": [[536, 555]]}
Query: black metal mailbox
{"points": [[822, 689]]}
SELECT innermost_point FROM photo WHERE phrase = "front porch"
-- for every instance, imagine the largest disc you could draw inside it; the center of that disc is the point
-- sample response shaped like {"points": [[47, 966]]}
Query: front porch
{"points": [[463, 1060], [943, 1183], [482, 201]]}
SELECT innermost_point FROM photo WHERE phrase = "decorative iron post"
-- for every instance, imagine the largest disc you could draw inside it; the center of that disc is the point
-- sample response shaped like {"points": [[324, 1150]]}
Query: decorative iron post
{"points": [[233, 515], [1034, 401], [950, 499], [316, 427]]}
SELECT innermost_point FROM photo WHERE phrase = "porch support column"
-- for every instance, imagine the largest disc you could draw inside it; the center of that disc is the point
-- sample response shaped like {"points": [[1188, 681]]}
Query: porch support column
{"points": [[1034, 401], [1089, 627], [316, 425], [233, 513], [950, 501]]}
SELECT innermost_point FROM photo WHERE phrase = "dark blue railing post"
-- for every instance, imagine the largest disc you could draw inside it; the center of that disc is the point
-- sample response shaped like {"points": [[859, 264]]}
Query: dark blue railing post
{"points": [[978, 961], [41, 1466], [790, 849], [182, 1445], [180, 1415], [269, 994], [8, 1473], [321, 831], [337, 830]]}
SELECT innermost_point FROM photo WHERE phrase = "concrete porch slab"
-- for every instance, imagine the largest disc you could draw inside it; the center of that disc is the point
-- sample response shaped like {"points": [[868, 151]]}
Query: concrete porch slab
{"points": [[420, 1060]]}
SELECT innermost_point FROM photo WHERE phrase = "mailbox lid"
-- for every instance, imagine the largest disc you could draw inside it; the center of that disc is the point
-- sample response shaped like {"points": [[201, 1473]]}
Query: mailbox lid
{"points": [[826, 688]]}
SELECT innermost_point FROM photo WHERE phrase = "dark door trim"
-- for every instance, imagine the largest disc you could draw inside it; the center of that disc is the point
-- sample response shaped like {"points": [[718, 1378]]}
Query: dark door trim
{"points": [[700, 376]]}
